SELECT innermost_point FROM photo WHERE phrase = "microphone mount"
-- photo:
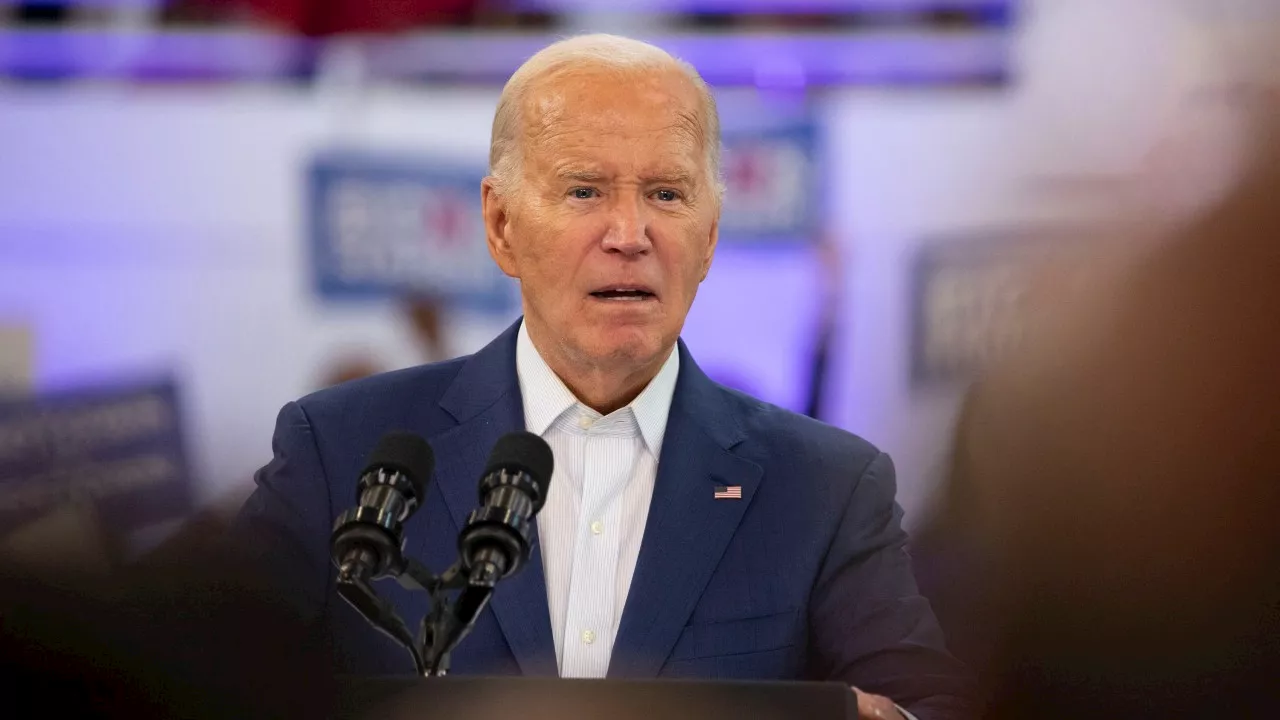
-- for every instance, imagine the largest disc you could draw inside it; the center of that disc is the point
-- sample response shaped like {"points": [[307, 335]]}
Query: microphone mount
{"points": [[441, 629], [368, 544]]}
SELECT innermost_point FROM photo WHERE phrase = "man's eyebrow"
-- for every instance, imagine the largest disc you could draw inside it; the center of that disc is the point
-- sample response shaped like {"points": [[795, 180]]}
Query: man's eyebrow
{"points": [[581, 175], [678, 177]]}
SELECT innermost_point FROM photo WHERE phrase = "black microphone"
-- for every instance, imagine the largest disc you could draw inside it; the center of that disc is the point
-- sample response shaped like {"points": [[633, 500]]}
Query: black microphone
{"points": [[493, 544], [367, 540], [496, 540]]}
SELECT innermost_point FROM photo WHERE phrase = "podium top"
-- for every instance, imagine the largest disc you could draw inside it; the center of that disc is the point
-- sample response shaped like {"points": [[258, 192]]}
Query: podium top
{"points": [[468, 698]]}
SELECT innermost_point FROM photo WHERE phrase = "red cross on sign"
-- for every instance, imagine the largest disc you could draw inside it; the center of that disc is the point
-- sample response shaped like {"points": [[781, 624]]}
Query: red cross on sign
{"points": [[444, 218]]}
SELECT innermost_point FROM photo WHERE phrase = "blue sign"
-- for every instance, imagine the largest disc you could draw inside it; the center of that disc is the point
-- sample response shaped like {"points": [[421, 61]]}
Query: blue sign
{"points": [[771, 185], [969, 297], [120, 450], [387, 227]]}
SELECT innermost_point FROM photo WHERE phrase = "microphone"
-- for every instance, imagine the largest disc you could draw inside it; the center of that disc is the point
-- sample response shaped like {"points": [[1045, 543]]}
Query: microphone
{"points": [[367, 540], [495, 542]]}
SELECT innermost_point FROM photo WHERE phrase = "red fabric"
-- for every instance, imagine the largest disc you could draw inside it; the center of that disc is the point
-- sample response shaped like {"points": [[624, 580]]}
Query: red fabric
{"points": [[332, 17]]}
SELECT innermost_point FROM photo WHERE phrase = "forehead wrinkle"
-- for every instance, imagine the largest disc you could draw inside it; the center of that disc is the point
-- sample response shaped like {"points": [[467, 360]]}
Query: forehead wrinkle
{"points": [[548, 123], [690, 126], [675, 141], [539, 118]]}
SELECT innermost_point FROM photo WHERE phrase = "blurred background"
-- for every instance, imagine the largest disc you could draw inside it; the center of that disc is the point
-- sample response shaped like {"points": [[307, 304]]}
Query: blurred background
{"points": [[211, 207]]}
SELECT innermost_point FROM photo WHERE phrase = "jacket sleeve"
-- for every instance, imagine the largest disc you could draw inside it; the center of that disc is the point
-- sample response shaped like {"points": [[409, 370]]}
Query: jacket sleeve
{"points": [[284, 526], [869, 625]]}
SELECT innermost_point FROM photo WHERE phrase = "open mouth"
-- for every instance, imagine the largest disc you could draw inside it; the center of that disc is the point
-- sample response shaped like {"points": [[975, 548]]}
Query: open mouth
{"points": [[624, 294]]}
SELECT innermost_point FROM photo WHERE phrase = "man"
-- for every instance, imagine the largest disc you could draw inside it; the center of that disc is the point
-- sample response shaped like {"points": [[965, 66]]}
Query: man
{"points": [[604, 203]]}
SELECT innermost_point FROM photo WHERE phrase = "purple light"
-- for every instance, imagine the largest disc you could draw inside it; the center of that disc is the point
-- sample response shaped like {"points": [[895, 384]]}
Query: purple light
{"points": [[780, 73], [774, 60], [126, 54]]}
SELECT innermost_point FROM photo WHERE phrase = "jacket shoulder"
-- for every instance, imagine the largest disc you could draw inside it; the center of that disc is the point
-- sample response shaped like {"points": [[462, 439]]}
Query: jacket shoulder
{"points": [[782, 433]]}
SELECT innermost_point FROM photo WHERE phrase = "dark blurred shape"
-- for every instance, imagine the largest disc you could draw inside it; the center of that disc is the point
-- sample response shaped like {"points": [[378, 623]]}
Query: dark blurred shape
{"points": [[480, 698], [201, 12], [190, 632], [819, 367], [825, 17], [349, 368], [1111, 536], [426, 318], [320, 18], [332, 17], [424, 315], [40, 13], [830, 284]]}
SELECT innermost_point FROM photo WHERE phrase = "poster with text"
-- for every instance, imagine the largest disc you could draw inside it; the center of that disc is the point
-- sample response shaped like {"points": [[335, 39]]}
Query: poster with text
{"points": [[387, 227], [91, 466]]}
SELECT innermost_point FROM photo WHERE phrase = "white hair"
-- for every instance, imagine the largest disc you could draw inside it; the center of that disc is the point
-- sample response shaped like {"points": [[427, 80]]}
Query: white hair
{"points": [[611, 52]]}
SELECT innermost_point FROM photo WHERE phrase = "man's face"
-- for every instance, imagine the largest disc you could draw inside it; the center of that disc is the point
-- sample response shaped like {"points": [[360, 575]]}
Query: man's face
{"points": [[612, 223]]}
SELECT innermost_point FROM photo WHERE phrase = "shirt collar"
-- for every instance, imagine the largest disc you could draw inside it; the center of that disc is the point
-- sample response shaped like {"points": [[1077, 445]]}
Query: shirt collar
{"points": [[546, 397]]}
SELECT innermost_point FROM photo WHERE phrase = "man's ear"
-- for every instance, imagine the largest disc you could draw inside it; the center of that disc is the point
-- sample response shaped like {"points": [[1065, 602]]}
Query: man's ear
{"points": [[712, 240], [497, 226]]}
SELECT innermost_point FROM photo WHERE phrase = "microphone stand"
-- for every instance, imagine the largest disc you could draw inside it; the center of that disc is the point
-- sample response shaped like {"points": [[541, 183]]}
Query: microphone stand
{"points": [[354, 587], [452, 620], [449, 620]]}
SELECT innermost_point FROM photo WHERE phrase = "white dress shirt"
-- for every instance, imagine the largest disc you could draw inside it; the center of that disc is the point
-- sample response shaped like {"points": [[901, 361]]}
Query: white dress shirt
{"points": [[593, 521]]}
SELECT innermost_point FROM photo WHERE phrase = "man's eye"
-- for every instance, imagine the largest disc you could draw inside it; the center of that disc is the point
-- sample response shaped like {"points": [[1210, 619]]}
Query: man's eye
{"points": [[583, 193], [667, 195]]}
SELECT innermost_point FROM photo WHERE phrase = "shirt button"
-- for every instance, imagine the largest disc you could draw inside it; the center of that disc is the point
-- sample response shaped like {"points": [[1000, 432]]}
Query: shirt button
{"points": [[588, 637], [585, 422], [597, 527]]}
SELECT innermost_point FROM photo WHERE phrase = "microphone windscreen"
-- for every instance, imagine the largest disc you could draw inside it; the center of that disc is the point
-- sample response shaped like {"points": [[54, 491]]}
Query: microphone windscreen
{"points": [[525, 452], [406, 453]]}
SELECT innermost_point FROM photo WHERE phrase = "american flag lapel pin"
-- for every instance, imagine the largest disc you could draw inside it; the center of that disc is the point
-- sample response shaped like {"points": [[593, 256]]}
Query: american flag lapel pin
{"points": [[728, 492]]}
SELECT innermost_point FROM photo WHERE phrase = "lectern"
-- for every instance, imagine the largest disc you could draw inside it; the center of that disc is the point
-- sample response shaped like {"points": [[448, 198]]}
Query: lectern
{"points": [[473, 698]]}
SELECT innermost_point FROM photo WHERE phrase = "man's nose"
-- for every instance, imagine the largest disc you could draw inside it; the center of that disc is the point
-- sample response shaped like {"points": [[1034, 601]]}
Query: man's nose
{"points": [[628, 228]]}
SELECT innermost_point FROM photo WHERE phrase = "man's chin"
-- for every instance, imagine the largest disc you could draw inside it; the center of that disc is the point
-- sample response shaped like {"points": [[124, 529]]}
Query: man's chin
{"points": [[626, 348]]}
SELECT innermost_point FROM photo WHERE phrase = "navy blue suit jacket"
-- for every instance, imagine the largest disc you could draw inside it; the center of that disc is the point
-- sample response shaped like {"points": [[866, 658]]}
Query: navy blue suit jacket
{"points": [[807, 576]]}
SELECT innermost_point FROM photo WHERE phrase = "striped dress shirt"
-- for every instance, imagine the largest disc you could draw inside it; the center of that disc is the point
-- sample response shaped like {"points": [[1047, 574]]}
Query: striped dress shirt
{"points": [[593, 521]]}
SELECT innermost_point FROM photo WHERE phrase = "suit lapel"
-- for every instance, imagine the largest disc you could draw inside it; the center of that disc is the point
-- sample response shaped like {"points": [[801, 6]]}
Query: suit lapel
{"points": [[485, 400], [687, 529]]}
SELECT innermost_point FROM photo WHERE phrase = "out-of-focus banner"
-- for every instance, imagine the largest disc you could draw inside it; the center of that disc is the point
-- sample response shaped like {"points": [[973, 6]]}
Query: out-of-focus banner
{"points": [[971, 297], [97, 464], [387, 227], [771, 181]]}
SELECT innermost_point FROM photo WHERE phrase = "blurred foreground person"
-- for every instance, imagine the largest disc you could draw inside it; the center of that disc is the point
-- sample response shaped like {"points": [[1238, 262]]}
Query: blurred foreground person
{"points": [[187, 634], [1115, 494]]}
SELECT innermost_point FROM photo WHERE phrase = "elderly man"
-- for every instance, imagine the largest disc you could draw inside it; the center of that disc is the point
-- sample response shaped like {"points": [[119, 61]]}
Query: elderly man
{"points": [[690, 531]]}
